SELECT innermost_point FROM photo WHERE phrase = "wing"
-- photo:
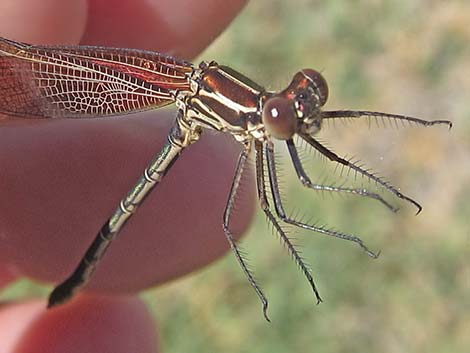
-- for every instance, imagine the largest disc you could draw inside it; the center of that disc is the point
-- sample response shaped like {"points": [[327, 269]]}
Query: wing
{"points": [[84, 81]]}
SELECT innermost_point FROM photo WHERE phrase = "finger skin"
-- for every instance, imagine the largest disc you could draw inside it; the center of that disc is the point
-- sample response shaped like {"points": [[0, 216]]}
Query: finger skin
{"points": [[61, 179], [88, 324], [182, 28], [8, 274], [45, 21]]}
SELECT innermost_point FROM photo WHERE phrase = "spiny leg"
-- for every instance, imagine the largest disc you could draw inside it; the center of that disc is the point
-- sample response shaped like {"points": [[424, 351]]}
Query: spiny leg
{"points": [[269, 152], [334, 157], [152, 175], [305, 180], [260, 182], [352, 114], [355, 114], [226, 225]]}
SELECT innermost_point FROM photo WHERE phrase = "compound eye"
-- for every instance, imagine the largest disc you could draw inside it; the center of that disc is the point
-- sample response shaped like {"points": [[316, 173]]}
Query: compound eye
{"points": [[279, 118], [319, 84]]}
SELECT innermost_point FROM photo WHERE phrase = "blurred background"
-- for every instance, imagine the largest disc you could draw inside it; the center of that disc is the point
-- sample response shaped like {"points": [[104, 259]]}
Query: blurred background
{"points": [[407, 57]]}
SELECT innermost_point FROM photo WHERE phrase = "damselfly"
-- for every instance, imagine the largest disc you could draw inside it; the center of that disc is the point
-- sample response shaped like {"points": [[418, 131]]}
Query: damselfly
{"points": [[88, 82]]}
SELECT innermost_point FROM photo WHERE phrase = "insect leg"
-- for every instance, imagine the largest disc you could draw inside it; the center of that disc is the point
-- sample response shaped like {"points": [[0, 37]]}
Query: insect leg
{"points": [[305, 180], [226, 225], [268, 149], [272, 219], [358, 114], [335, 158]]}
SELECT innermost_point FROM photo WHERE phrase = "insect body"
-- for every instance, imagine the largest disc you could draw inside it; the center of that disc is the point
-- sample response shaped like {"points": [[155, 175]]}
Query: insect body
{"points": [[88, 82]]}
